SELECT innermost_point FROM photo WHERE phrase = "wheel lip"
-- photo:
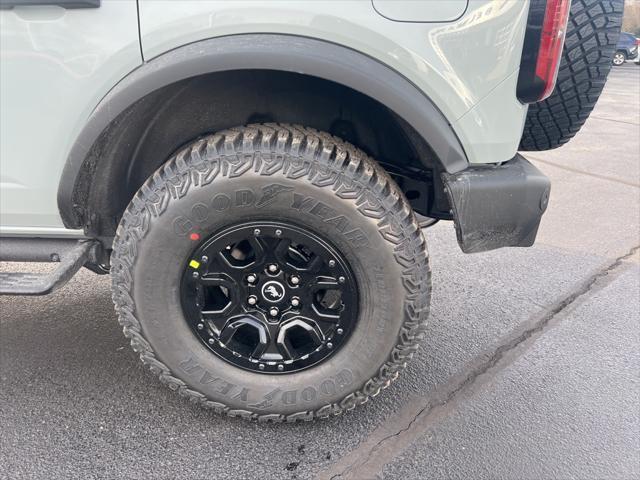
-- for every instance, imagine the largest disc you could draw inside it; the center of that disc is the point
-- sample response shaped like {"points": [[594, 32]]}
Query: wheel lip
{"points": [[338, 340]]}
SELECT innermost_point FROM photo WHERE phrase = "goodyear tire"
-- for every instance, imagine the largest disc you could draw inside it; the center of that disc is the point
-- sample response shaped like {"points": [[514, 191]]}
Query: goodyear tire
{"points": [[592, 36], [206, 232]]}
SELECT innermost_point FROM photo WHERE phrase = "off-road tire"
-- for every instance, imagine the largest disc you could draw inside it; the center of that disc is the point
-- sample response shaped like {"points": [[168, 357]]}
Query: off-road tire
{"points": [[147, 248], [592, 36]]}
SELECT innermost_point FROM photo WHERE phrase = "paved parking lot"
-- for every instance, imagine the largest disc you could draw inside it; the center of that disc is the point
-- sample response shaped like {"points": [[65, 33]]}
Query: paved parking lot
{"points": [[531, 366]]}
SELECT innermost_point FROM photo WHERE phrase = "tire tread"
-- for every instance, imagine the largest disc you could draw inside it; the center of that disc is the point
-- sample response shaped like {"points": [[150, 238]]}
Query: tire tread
{"points": [[592, 36]]}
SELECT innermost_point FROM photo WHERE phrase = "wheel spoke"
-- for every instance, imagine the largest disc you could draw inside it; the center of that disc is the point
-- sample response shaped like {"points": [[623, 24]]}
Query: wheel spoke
{"points": [[324, 282], [214, 321], [281, 249], [326, 296], [299, 337], [315, 265], [259, 249], [217, 294], [245, 335]]}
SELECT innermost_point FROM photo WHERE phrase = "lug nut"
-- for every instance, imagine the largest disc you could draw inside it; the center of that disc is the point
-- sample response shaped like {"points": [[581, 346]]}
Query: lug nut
{"points": [[295, 302], [332, 263], [252, 300], [273, 268], [295, 280], [252, 278], [273, 311]]}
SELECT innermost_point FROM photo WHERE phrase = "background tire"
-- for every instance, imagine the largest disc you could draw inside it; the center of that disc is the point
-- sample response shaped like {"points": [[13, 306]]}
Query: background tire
{"points": [[592, 36], [389, 261], [619, 58]]}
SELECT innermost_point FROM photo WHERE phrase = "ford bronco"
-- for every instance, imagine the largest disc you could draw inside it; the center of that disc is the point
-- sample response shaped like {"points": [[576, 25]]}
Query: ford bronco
{"points": [[255, 175]]}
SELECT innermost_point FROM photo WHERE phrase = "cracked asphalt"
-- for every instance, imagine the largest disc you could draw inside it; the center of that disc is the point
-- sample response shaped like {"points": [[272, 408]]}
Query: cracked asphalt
{"points": [[530, 368]]}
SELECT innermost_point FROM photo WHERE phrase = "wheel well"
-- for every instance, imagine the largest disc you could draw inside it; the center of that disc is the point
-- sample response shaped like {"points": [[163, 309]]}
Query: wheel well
{"points": [[151, 130]]}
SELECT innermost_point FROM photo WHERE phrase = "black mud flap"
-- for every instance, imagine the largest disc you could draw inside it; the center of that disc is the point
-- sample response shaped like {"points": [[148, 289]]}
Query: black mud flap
{"points": [[497, 206]]}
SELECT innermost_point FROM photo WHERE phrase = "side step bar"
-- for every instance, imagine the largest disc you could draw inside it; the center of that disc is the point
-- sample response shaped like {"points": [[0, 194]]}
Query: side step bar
{"points": [[72, 255]]}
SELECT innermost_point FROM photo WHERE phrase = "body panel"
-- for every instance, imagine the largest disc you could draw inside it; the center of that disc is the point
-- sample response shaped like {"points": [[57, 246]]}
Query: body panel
{"points": [[421, 10], [56, 66], [455, 64]]}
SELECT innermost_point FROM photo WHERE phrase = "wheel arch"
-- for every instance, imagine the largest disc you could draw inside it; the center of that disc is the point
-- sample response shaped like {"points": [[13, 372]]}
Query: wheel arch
{"points": [[106, 140]]}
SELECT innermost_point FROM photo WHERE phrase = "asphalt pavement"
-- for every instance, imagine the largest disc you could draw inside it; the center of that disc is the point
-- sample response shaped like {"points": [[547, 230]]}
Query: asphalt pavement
{"points": [[530, 368]]}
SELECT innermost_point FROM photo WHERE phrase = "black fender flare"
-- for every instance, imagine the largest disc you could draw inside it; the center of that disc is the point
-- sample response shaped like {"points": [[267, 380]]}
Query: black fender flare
{"points": [[288, 53]]}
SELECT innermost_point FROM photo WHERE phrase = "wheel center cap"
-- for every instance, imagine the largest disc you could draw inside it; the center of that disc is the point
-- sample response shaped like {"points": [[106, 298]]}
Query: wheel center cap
{"points": [[273, 291]]}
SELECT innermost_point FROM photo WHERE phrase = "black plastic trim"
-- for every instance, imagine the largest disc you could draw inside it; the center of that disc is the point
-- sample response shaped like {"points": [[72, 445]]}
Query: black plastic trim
{"points": [[269, 52], [530, 86], [497, 206], [27, 249], [68, 4], [71, 260]]}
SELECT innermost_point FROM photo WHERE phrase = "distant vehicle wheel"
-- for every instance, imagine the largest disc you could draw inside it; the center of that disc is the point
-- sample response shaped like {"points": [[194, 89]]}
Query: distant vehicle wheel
{"points": [[272, 272], [619, 58], [591, 40]]}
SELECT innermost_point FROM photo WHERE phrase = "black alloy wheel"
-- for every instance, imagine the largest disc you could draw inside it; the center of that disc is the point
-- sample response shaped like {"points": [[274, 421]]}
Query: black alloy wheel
{"points": [[269, 297]]}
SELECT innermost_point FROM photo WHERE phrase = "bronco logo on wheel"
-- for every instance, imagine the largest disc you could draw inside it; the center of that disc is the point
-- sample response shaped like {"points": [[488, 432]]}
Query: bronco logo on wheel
{"points": [[273, 291]]}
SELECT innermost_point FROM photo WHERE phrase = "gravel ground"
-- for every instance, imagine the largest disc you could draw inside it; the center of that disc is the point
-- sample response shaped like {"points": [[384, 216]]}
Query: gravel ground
{"points": [[530, 368]]}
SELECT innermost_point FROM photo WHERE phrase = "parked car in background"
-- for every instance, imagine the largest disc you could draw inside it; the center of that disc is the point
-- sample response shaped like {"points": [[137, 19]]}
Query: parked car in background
{"points": [[627, 48]]}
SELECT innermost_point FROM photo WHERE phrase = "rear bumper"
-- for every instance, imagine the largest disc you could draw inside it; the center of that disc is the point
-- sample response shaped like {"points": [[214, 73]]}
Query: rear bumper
{"points": [[497, 206]]}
